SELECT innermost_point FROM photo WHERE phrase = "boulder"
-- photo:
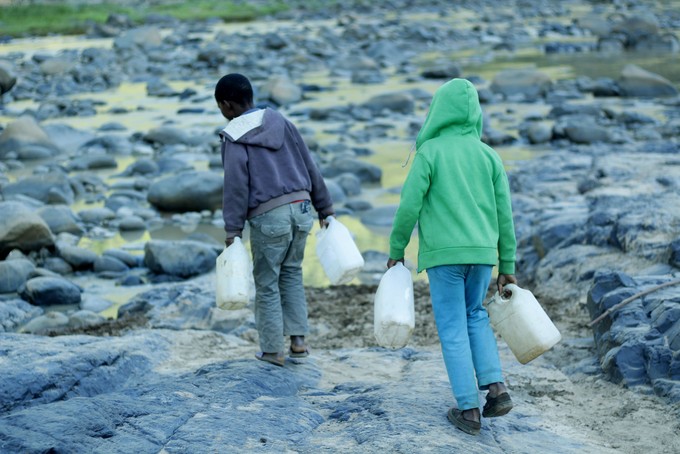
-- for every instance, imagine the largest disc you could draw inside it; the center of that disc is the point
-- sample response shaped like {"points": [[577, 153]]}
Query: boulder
{"points": [[25, 139], [79, 258], [586, 132], [22, 229], [48, 291], [53, 187], [167, 135], [187, 191], [399, 102], [45, 323], [365, 171], [13, 273], [636, 81], [60, 219], [16, 312], [280, 90], [530, 83], [181, 259], [8, 77], [144, 37]]}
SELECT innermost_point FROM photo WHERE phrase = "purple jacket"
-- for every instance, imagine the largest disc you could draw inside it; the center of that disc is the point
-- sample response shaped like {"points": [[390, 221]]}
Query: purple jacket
{"points": [[266, 165]]}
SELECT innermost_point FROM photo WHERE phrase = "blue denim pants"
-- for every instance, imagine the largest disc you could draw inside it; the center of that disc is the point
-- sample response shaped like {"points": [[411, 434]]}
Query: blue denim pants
{"points": [[468, 342], [277, 242]]}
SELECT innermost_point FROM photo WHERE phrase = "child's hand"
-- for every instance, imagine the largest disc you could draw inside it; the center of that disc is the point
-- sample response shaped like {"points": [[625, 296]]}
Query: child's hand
{"points": [[393, 262]]}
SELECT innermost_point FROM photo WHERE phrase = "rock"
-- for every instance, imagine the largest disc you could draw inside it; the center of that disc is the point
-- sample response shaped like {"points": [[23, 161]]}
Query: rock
{"points": [[336, 192], [350, 183], [84, 318], [280, 90], [16, 312], [22, 229], [44, 323], [106, 264], [131, 223], [187, 191], [48, 291], [675, 253], [57, 265], [54, 188], [586, 132], [167, 135], [365, 171], [60, 219], [379, 216], [539, 132], [132, 261], [143, 166], [25, 139], [144, 37], [92, 162], [8, 77], [179, 258], [442, 71], [394, 102], [96, 216], [160, 89], [94, 303], [637, 82], [79, 258], [66, 137], [13, 273], [530, 83], [57, 66]]}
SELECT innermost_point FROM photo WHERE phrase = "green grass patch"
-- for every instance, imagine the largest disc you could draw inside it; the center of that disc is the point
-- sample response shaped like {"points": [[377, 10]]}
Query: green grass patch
{"points": [[19, 19]]}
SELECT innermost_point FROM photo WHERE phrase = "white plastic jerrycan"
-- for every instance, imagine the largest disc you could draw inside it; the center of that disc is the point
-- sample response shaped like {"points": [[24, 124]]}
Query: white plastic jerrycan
{"points": [[522, 323], [339, 256], [394, 315], [233, 277]]}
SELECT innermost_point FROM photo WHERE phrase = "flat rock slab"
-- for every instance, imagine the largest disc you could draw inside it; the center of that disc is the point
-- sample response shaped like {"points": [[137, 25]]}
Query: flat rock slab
{"points": [[199, 391]]}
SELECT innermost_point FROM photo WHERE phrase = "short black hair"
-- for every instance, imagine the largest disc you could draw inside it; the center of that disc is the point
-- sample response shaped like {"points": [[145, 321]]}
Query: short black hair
{"points": [[236, 88]]}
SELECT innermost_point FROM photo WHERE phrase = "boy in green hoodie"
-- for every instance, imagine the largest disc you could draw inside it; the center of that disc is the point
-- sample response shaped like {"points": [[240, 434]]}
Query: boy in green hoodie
{"points": [[458, 193]]}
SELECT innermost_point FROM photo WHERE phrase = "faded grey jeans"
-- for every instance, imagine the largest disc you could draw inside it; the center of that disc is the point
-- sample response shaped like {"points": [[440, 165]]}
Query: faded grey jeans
{"points": [[277, 242]]}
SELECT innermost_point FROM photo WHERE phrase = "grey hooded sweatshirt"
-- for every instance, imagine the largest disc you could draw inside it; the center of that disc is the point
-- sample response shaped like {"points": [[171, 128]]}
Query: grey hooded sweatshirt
{"points": [[266, 165]]}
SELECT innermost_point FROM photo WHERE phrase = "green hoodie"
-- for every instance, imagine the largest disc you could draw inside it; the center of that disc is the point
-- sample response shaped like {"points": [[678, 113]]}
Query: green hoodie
{"points": [[457, 189]]}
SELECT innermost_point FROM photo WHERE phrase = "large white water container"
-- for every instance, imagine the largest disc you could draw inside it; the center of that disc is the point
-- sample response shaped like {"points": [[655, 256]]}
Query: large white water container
{"points": [[394, 315], [339, 256], [522, 323], [233, 274]]}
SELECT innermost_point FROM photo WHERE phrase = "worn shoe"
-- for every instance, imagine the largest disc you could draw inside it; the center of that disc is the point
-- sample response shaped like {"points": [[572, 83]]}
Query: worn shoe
{"points": [[273, 358], [467, 426], [298, 348], [497, 406]]}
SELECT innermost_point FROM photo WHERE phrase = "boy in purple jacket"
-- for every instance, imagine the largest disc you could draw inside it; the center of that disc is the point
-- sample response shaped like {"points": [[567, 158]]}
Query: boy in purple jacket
{"points": [[270, 180]]}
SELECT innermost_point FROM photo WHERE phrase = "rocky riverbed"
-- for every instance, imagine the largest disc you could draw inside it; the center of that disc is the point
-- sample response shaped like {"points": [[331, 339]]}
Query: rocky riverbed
{"points": [[110, 189]]}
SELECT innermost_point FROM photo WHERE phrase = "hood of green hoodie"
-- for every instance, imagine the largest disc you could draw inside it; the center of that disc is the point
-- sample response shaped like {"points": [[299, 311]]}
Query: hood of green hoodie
{"points": [[455, 108]]}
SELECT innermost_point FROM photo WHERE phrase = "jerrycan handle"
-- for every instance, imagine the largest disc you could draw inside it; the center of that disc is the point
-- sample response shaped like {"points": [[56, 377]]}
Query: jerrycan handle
{"points": [[509, 292]]}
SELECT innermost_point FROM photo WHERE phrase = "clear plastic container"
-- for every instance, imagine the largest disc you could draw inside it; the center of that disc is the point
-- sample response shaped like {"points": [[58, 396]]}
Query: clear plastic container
{"points": [[339, 256], [522, 323], [233, 275], [394, 315]]}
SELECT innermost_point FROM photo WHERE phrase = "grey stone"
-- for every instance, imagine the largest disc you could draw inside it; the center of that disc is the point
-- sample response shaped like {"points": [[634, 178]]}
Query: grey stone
{"points": [[530, 83], [79, 258], [179, 258], [187, 191], [635, 81], [109, 264], [54, 188], [48, 291], [22, 229], [13, 273], [365, 171], [400, 102], [60, 219], [43, 323], [16, 312], [27, 139]]}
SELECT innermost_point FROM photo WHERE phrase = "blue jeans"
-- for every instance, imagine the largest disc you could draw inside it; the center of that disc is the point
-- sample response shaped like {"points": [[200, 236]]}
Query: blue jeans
{"points": [[277, 242], [468, 342]]}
